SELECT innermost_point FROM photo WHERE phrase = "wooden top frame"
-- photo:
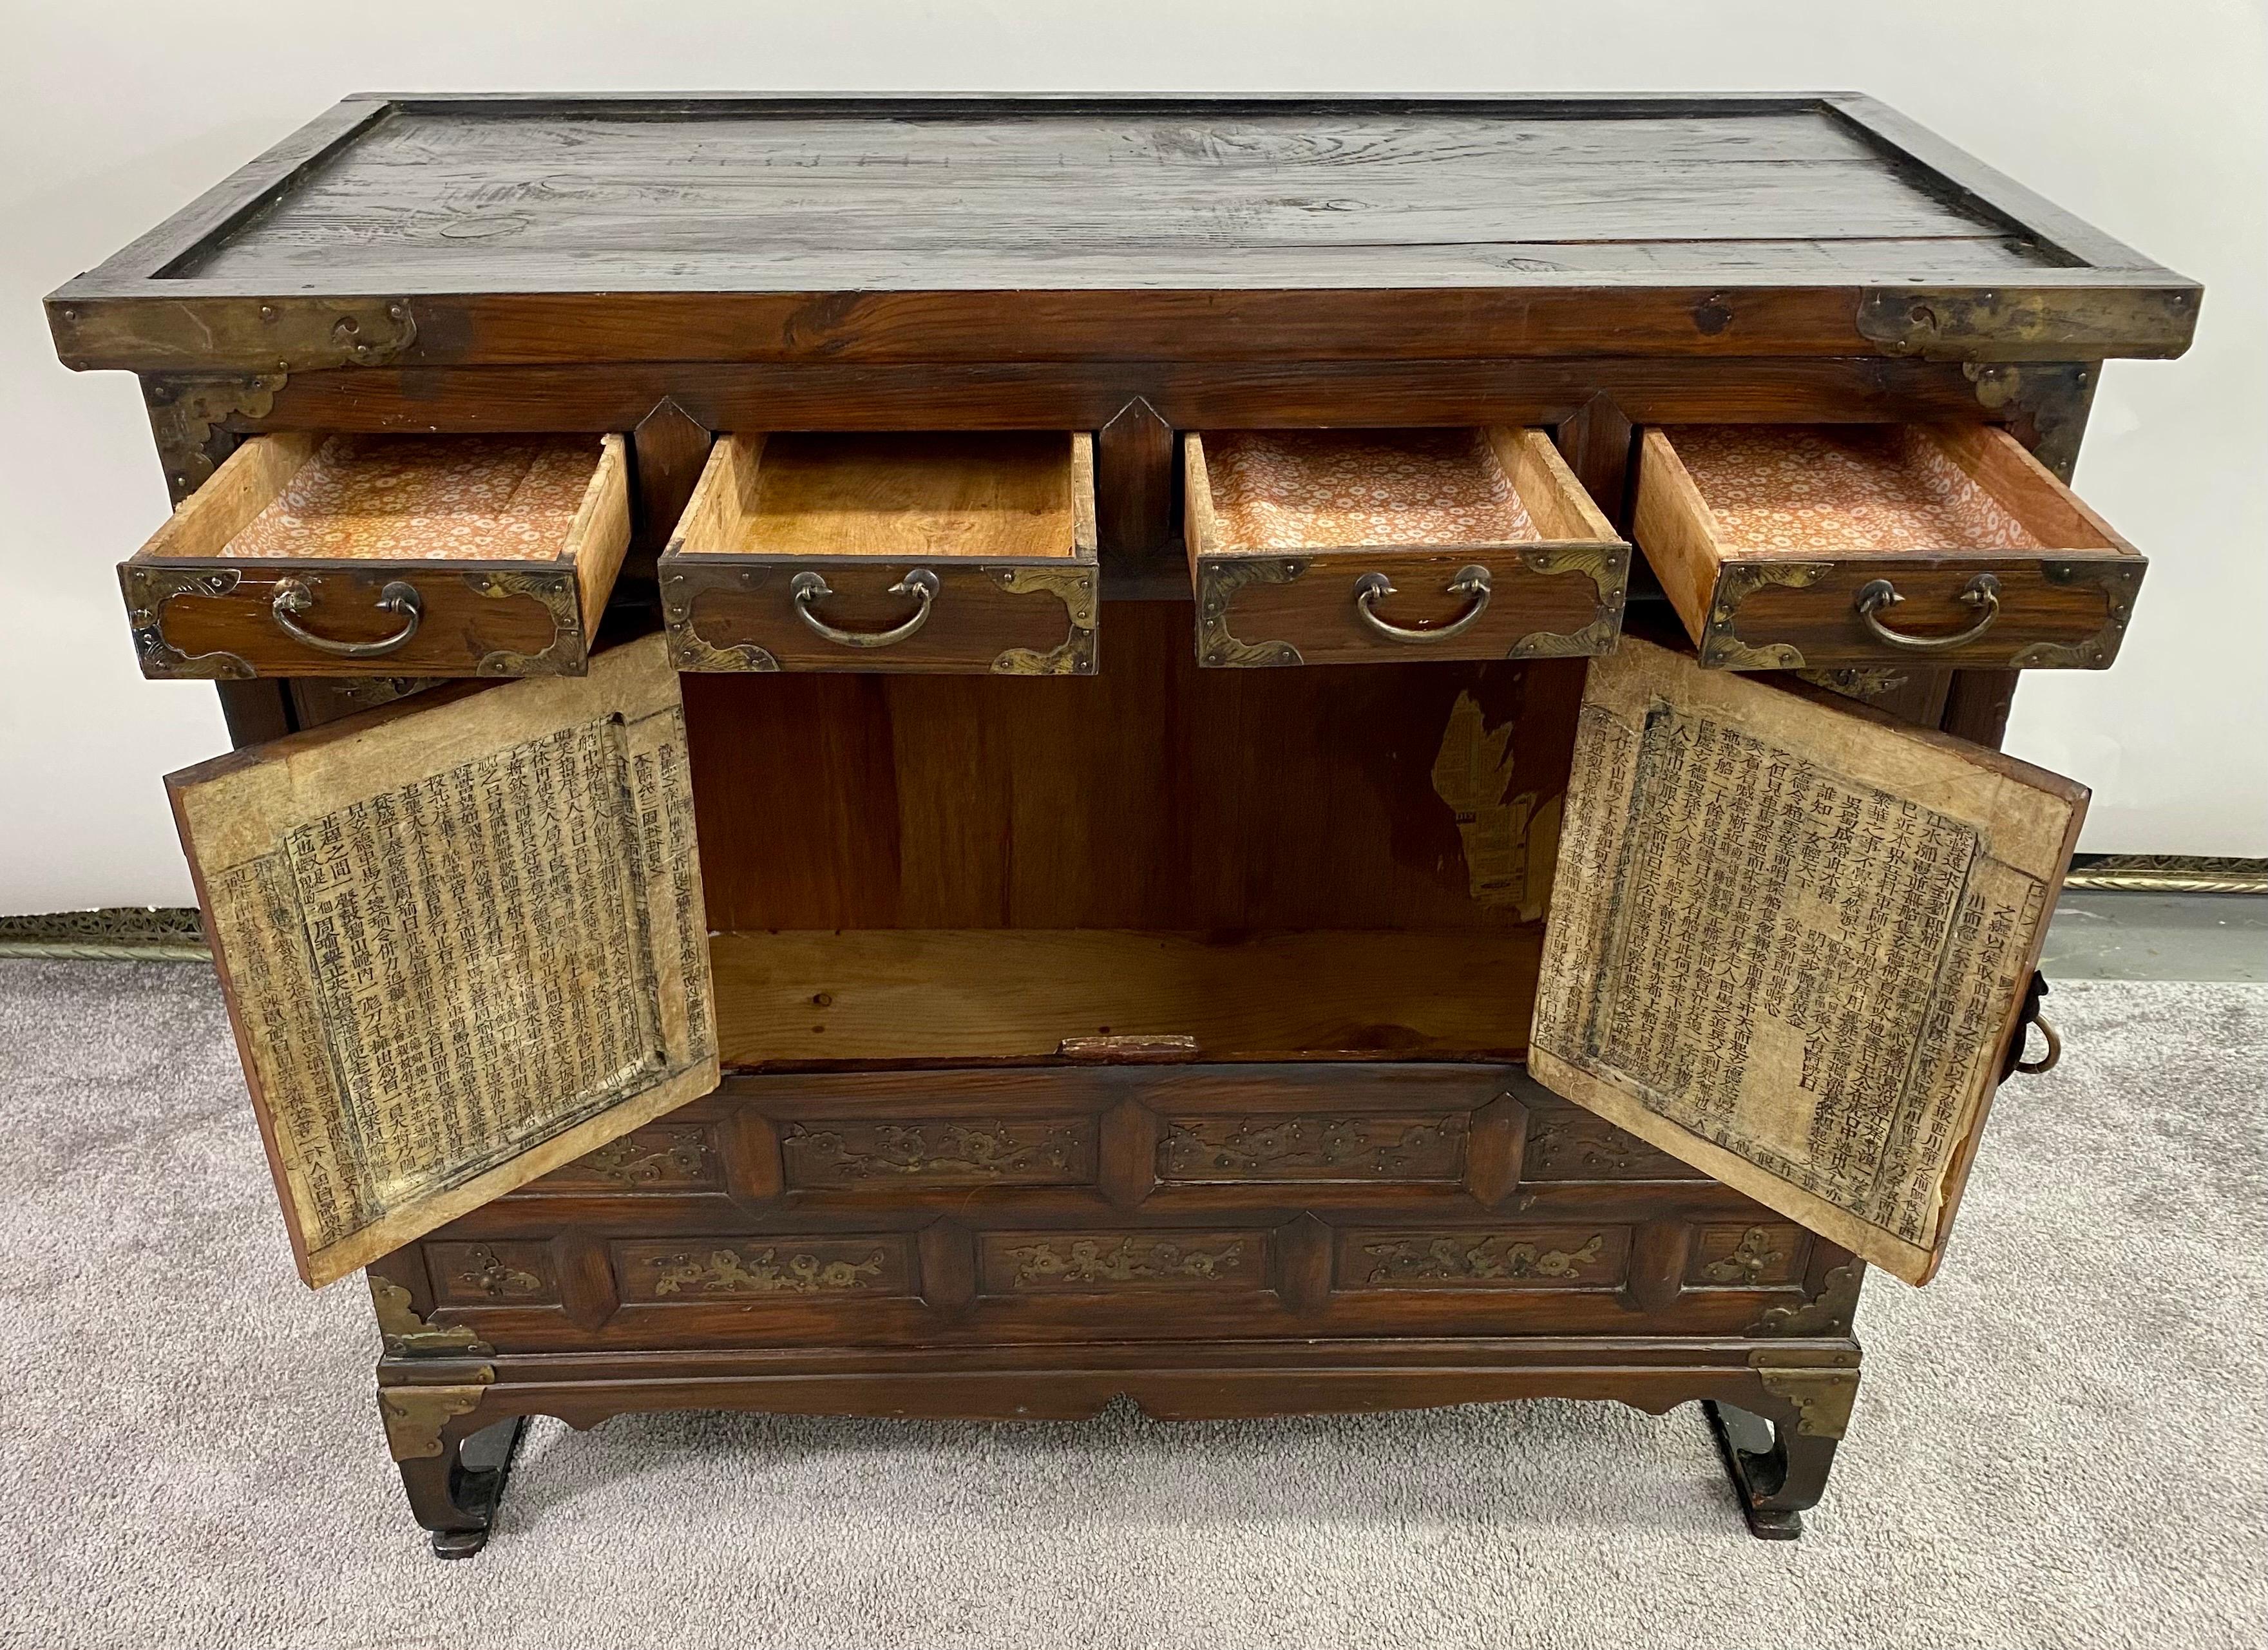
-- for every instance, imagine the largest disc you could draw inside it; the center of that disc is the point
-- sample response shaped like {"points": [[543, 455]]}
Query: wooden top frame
{"points": [[423, 231]]}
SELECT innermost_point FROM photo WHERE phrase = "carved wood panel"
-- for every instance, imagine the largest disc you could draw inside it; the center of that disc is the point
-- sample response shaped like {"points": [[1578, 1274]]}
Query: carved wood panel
{"points": [[1565, 1143], [1023, 1263], [1313, 1146], [1523, 1257], [1059, 1151], [667, 1157], [709, 1267], [492, 1274]]}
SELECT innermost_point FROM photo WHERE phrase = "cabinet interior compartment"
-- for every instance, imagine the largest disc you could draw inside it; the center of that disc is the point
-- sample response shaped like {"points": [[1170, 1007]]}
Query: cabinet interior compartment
{"points": [[1271, 865]]}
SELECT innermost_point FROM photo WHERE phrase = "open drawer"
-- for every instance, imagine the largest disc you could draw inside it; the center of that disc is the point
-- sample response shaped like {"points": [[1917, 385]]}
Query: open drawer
{"points": [[941, 553], [1312, 547], [1784, 548], [308, 555]]}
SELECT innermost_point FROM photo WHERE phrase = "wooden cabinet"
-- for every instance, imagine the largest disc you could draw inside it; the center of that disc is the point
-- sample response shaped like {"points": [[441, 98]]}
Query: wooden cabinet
{"points": [[866, 991]]}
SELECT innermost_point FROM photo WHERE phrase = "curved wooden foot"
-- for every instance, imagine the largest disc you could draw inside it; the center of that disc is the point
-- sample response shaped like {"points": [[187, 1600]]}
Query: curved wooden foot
{"points": [[455, 1493], [1778, 1471]]}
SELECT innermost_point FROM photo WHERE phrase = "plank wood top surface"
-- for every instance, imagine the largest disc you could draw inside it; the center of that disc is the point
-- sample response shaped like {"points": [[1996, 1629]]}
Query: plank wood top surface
{"points": [[841, 201]]}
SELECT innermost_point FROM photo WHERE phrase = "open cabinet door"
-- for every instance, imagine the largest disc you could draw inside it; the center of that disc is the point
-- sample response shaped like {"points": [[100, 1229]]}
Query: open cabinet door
{"points": [[1789, 939], [461, 941]]}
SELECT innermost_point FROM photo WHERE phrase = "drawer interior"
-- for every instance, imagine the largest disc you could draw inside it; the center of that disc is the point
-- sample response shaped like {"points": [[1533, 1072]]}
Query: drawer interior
{"points": [[309, 497], [1831, 490], [1009, 495], [1271, 490], [309, 553]]}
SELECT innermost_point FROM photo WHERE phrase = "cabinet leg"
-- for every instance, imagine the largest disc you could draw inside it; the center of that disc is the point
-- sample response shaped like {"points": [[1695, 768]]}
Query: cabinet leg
{"points": [[454, 1493], [1778, 1471]]}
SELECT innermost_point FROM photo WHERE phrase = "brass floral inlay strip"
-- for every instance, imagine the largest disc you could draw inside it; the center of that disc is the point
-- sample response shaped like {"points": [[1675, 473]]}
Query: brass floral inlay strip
{"points": [[1407, 1260], [1189, 1258], [1307, 1147], [1576, 1146], [648, 1157], [1052, 1152], [763, 1271]]}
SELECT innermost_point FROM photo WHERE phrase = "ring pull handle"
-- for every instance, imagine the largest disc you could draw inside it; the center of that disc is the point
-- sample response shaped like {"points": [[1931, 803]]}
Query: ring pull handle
{"points": [[2047, 1061], [1472, 583], [1983, 593], [293, 598], [806, 589]]}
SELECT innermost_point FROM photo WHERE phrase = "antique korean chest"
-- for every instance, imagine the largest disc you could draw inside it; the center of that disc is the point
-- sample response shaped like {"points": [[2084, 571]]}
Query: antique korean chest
{"points": [[959, 758]]}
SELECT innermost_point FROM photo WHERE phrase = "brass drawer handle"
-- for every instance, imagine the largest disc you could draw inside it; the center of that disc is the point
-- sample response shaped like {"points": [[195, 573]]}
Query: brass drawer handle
{"points": [[1470, 582], [921, 585], [292, 598], [1983, 593]]}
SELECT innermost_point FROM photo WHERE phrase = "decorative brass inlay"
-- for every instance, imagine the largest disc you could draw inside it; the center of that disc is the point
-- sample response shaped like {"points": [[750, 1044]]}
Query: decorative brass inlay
{"points": [[1862, 682], [913, 1151], [1121, 1259], [1826, 1313], [407, 1334], [2119, 580], [1510, 844], [1955, 324], [491, 1277], [1256, 1145], [184, 413], [567, 652], [688, 649], [148, 590], [1752, 1260], [1074, 655], [1821, 1393], [1607, 568], [1497, 1258], [722, 1272], [1577, 1143], [415, 1416], [648, 1156], [1736, 581], [1218, 583]]}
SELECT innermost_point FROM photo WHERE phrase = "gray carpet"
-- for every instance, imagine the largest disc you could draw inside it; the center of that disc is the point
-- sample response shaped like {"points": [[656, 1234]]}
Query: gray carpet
{"points": [[2060, 1444]]}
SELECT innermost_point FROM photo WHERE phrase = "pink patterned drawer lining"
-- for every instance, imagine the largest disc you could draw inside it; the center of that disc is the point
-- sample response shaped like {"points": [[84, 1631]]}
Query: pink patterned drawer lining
{"points": [[427, 498], [1842, 491], [1290, 490]]}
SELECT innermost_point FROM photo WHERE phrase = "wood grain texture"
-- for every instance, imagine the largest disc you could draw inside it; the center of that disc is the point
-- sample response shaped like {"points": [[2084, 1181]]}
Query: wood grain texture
{"points": [[1156, 795], [786, 228], [803, 996]]}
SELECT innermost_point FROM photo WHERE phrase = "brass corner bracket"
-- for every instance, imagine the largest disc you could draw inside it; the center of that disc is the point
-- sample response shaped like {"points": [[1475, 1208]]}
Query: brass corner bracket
{"points": [[688, 649], [1721, 649], [148, 589], [2118, 579], [407, 1334], [415, 1415], [1828, 1312], [1821, 1394], [566, 652], [1607, 568], [1075, 586], [1218, 583]]}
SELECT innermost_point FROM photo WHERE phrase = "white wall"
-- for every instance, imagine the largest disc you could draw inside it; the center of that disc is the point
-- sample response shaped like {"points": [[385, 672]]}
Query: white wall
{"points": [[2149, 122]]}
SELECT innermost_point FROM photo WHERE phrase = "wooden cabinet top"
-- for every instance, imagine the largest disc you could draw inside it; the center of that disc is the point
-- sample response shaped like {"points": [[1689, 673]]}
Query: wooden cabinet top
{"points": [[473, 230]]}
